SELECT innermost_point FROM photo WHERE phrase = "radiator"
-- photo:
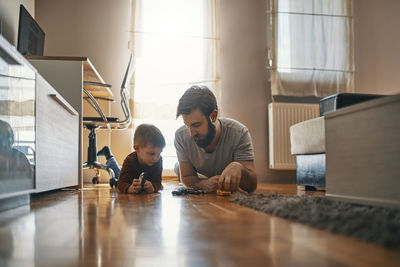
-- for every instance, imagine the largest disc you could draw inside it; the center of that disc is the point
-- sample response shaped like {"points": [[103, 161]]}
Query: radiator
{"points": [[280, 117]]}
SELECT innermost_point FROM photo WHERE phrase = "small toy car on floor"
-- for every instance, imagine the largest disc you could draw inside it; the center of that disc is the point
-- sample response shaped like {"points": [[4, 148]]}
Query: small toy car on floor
{"points": [[186, 191], [223, 193]]}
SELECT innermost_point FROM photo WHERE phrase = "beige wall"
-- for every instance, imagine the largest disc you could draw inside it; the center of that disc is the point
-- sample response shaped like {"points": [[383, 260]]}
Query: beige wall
{"points": [[244, 80], [9, 15], [96, 29], [99, 30], [245, 90], [377, 46], [243, 44]]}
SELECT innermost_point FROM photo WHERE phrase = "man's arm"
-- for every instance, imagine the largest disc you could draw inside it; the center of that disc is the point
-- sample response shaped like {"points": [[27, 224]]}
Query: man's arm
{"points": [[238, 174], [190, 179]]}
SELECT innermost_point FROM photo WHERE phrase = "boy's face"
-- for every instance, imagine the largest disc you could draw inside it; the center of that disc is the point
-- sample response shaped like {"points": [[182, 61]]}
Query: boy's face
{"points": [[148, 154]]}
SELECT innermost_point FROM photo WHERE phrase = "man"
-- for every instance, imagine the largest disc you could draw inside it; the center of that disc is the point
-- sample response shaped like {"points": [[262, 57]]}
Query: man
{"points": [[213, 153], [13, 163]]}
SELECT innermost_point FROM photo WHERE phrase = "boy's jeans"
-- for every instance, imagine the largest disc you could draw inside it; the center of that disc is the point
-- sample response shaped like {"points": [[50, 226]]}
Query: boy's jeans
{"points": [[113, 165]]}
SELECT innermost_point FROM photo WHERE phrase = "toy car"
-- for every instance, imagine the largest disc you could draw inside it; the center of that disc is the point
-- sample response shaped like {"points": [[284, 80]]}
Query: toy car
{"points": [[142, 180], [186, 191], [223, 193]]}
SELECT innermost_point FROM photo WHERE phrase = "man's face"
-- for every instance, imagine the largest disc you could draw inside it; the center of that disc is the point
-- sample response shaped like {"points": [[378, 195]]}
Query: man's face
{"points": [[200, 127]]}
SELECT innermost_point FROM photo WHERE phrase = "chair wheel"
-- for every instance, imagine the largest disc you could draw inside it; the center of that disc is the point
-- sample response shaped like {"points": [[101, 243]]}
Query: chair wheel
{"points": [[95, 180], [113, 182]]}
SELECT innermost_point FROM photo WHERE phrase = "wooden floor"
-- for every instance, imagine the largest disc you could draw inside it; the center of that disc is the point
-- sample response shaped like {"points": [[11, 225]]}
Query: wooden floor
{"points": [[99, 227]]}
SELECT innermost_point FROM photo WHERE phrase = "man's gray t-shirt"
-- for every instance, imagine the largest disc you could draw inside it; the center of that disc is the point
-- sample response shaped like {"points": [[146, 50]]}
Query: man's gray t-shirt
{"points": [[234, 144]]}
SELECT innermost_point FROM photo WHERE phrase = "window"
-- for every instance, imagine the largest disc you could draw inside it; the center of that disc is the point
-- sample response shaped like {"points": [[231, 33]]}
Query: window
{"points": [[311, 47], [175, 46]]}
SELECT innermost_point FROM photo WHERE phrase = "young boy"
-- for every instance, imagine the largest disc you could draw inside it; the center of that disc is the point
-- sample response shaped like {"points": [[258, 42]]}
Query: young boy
{"points": [[148, 145]]}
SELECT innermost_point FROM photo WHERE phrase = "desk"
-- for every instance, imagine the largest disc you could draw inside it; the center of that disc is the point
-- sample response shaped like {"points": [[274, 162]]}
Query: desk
{"points": [[90, 74], [68, 75]]}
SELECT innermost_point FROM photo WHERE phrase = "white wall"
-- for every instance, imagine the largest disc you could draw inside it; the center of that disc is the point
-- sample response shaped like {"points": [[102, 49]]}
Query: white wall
{"points": [[99, 30], [9, 16], [377, 46], [245, 90]]}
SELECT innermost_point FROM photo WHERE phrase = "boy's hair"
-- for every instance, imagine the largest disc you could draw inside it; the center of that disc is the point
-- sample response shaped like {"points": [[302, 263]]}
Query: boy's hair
{"points": [[197, 97], [148, 134]]}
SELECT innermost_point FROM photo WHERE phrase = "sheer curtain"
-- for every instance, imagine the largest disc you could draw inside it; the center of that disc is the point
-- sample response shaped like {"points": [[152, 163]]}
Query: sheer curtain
{"points": [[175, 45], [311, 47]]}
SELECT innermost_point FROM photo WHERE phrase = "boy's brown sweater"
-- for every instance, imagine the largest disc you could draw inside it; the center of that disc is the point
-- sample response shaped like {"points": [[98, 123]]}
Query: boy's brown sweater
{"points": [[131, 169]]}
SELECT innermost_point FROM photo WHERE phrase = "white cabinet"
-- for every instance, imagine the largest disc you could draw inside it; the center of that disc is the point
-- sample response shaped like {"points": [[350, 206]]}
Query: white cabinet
{"points": [[17, 127], [363, 152], [57, 139], [39, 132], [67, 75]]}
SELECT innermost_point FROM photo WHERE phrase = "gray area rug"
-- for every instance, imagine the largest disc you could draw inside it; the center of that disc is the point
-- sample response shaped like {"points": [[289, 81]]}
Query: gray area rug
{"points": [[373, 224]]}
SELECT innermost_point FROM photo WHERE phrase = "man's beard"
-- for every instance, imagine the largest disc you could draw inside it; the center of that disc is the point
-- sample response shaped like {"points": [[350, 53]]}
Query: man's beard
{"points": [[206, 140]]}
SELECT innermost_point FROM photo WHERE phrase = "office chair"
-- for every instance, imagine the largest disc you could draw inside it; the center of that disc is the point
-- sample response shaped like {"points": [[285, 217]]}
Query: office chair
{"points": [[103, 122]]}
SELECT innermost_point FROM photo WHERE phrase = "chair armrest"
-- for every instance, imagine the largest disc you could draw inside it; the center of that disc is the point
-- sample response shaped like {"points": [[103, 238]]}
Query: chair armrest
{"points": [[97, 108], [97, 84]]}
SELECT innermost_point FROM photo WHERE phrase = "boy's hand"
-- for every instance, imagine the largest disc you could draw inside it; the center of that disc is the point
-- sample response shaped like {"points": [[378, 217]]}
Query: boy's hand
{"points": [[135, 187], [148, 187]]}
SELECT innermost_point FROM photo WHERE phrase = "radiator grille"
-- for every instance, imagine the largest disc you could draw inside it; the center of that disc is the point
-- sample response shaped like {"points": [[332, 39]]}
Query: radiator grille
{"points": [[280, 117]]}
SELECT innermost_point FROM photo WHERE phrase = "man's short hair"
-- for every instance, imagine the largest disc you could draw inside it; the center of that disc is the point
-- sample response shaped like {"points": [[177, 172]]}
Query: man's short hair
{"points": [[148, 134], [6, 135], [197, 97]]}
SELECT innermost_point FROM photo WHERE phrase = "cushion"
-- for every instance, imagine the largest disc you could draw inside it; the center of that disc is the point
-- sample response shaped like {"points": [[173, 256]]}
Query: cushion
{"points": [[308, 137]]}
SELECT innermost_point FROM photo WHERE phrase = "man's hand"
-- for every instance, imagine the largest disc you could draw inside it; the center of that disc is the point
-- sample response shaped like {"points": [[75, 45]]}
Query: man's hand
{"points": [[135, 187], [236, 175], [148, 187], [230, 177], [209, 185]]}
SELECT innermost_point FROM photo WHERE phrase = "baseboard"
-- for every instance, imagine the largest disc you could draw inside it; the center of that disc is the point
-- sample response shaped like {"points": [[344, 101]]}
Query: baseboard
{"points": [[366, 201], [170, 178]]}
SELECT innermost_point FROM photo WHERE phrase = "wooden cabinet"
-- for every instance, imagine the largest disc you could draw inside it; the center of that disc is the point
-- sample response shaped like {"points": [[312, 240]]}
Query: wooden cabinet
{"points": [[57, 139]]}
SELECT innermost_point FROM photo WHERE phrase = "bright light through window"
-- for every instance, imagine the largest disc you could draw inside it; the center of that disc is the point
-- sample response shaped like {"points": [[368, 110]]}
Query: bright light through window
{"points": [[174, 48], [283, 57]]}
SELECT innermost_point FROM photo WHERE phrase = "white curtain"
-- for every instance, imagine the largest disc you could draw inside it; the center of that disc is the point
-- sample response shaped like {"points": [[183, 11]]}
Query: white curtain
{"points": [[175, 45], [311, 47]]}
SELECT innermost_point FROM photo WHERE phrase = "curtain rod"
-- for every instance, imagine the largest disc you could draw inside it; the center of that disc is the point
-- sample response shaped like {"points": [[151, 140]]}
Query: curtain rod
{"points": [[313, 69], [309, 14]]}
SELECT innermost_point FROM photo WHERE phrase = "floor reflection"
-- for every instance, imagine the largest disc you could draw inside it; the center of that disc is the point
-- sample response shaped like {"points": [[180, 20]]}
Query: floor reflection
{"points": [[99, 227], [101, 222], [17, 240]]}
